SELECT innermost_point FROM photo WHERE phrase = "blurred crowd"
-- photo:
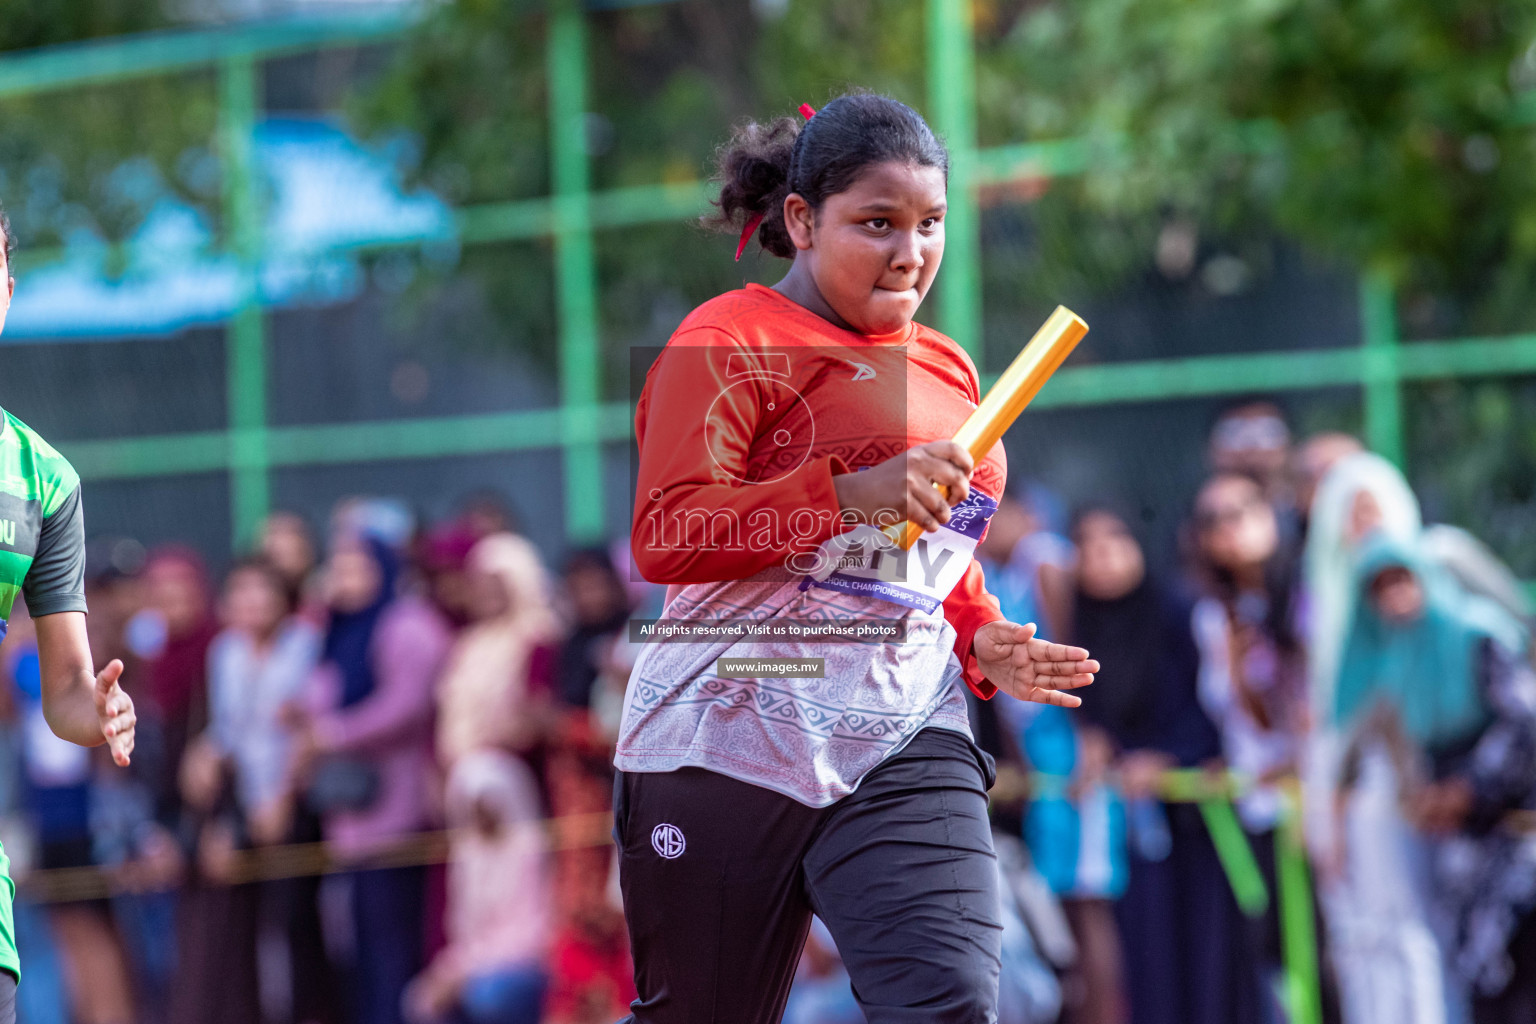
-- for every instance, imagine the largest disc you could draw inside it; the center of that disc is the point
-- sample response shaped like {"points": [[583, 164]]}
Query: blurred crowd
{"points": [[1361, 683], [368, 692], [1303, 645]]}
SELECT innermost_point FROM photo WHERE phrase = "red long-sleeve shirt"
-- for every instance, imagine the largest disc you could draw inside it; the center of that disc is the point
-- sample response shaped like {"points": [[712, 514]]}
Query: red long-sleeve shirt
{"points": [[755, 406]]}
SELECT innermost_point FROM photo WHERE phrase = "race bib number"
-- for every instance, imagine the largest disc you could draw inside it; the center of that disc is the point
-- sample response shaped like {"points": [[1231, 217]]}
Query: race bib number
{"points": [[865, 562]]}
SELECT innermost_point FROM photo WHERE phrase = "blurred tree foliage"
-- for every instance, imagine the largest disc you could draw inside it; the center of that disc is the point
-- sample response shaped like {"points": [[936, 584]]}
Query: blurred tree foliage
{"points": [[97, 159], [1395, 135], [665, 84], [1472, 450], [28, 23], [1387, 134], [1392, 135]]}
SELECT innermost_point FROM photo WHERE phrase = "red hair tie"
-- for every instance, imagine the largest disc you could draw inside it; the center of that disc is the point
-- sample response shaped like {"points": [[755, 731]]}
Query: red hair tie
{"points": [[806, 111], [746, 234]]}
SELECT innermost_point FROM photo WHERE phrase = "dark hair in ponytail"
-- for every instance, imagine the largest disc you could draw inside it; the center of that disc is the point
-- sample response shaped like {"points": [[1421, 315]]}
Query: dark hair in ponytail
{"points": [[764, 163]]}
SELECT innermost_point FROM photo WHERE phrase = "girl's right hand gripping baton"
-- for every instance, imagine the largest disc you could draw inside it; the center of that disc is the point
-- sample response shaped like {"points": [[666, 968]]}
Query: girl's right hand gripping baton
{"points": [[1014, 390]]}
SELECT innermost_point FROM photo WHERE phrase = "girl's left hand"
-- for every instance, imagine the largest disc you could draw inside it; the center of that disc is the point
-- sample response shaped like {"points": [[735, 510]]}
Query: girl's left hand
{"points": [[1017, 663]]}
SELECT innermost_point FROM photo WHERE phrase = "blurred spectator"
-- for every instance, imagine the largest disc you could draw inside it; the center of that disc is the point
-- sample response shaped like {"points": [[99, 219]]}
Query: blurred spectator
{"points": [[56, 790], [647, 598], [1027, 568], [234, 776], [592, 977], [487, 512], [1075, 828], [600, 609], [484, 698], [259, 663], [115, 591], [1074, 824], [442, 557], [1253, 439], [1370, 878], [822, 992], [388, 520], [1033, 926], [172, 634], [1475, 568], [1450, 673], [123, 824], [499, 915], [369, 749], [1037, 581], [1178, 929], [1313, 459], [1252, 678], [589, 681], [1360, 494], [288, 546]]}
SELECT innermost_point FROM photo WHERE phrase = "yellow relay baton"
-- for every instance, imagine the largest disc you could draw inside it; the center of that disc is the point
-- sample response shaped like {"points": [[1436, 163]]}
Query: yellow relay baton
{"points": [[1014, 390]]}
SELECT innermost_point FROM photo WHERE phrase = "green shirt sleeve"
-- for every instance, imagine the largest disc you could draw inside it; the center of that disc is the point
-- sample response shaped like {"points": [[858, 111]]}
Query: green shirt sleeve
{"points": [[56, 581]]}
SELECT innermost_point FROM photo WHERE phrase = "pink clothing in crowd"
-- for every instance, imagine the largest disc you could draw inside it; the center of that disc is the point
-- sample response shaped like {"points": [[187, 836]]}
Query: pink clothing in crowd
{"points": [[499, 912], [483, 691], [391, 728]]}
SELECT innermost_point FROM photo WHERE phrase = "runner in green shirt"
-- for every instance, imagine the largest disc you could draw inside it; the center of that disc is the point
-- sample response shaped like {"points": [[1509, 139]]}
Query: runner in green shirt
{"points": [[42, 557]]}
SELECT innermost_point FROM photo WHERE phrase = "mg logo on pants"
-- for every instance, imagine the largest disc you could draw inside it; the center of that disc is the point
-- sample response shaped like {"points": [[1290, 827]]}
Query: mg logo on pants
{"points": [[668, 841]]}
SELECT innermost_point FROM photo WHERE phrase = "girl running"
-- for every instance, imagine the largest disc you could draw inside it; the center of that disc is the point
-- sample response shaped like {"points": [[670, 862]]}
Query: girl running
{"points": [[834, 773]]}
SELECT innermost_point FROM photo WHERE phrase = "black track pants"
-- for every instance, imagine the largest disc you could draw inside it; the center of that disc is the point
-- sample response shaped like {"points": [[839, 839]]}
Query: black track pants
{"points": [[721, 877]]}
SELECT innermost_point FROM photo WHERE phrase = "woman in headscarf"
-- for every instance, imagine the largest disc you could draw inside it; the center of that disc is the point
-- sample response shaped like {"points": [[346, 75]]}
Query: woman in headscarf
{"points": [[1388, 962], [499, 917], [1363, 494], [370, 754], [483, 696], [1443, 678]]}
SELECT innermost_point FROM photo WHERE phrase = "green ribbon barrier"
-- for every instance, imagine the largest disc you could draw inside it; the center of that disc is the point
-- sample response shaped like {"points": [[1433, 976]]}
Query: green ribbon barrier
{"points": [[1192, 785], [1213, 794], [1297, 933], [1236, 856]]}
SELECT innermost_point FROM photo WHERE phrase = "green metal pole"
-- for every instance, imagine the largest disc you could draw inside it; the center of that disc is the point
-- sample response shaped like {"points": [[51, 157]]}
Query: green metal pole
{"points": [[246, 356], [952, 97], [575, 269], [1383, 375]]}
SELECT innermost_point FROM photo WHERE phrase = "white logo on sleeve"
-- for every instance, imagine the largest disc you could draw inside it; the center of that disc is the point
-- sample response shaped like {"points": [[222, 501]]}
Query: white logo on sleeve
{"points": [[668, 841], [863, 371]]}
